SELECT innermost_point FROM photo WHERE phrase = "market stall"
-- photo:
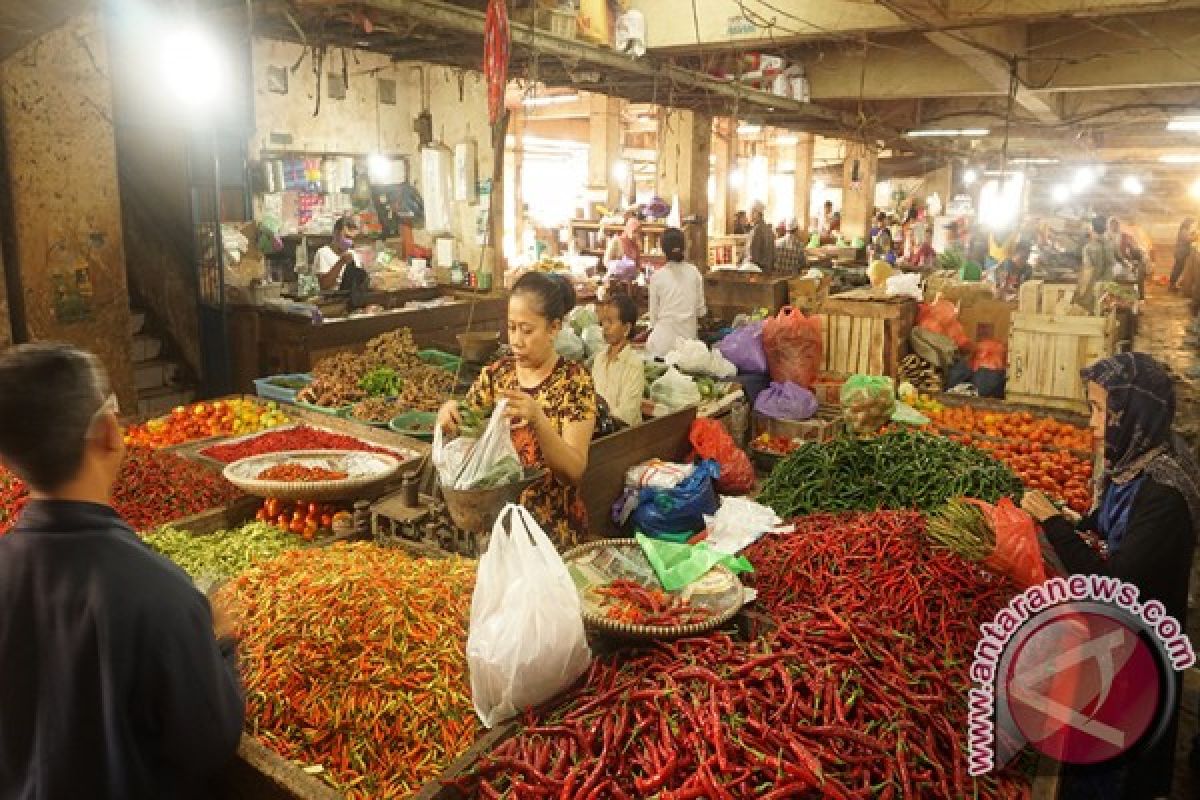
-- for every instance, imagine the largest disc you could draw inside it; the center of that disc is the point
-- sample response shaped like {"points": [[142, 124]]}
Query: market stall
{"points": [[728, 293]]}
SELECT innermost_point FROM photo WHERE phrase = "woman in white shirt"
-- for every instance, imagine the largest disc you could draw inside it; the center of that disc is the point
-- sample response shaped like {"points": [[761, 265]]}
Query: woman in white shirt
{"points": [[618, 371], [676, 297]]}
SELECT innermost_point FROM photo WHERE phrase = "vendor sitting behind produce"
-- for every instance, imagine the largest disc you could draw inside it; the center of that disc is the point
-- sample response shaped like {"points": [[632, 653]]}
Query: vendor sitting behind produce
{"points": [[551, 403], [760, 241], [1013, 271], [676, 298], [337, 260], [113, 683], [619, 372], [1149, 518]]}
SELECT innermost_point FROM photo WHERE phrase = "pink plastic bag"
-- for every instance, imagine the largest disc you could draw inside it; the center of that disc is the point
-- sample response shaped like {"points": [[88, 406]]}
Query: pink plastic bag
{"points": [[989, 354], [1018, 552], [942, 317], [712, 441], [793, 344]]}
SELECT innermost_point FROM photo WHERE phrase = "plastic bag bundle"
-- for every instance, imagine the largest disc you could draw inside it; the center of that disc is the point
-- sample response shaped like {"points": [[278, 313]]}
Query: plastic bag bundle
{"points": [[868, 402], [656, 474], [677, 566], [680, 510], [739, 523], [1018, 552], [526, 641], [593, 340], [582, 317], [744, 349], [906, 284], [489, 462], [568, 344], [793, 345], [712, 442], [786, 401], [675, 390]]}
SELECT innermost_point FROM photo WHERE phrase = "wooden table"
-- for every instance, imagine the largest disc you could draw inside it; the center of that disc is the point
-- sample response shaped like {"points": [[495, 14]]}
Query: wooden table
{"points": [[865, 332], [728, 293]]}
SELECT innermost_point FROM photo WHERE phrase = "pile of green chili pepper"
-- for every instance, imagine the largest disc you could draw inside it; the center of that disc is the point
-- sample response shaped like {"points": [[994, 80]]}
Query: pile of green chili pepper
{"points": [[222, 554], [897, 470], [860, 692], [353, 659]]}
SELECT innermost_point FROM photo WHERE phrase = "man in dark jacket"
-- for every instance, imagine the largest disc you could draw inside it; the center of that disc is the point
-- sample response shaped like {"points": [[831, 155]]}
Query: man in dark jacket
{"points": [[113, 683]]}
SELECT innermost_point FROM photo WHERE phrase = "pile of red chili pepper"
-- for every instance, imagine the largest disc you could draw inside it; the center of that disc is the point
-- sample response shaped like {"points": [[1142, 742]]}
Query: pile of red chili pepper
{"points": [[353, 659], [859, 692], [298, 473], [154, 487], [629, 601], [300, 437]]}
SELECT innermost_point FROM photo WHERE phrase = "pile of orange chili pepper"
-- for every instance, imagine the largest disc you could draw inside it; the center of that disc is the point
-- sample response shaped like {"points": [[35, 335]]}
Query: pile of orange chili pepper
{"points": [[298, 473], [860, 690], [629, 601], [353, 659]]}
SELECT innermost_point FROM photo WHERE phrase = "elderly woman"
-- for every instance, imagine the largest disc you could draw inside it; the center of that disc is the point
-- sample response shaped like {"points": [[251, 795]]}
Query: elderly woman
{"points": [[1148, 518]]}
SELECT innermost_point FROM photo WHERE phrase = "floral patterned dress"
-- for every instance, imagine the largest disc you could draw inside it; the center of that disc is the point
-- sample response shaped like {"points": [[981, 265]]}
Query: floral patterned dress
{"points": [[566, 395]]}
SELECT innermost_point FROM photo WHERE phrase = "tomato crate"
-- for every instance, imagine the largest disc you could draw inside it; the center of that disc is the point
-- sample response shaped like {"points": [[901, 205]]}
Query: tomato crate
{"points": [[825, 426]]}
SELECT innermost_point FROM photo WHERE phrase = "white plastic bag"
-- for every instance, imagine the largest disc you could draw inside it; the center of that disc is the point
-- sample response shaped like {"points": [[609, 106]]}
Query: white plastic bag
{"points": [[906, 284], [675, 390], [568, 344], [526, 641], [719, 366], [494, 453], [656, 474], [689, 355], [593, 340], [738, 523], [449, 457]]}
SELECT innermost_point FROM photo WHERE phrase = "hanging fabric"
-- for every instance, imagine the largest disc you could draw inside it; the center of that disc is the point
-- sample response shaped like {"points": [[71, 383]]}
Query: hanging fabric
{"points": [[496, 43]]}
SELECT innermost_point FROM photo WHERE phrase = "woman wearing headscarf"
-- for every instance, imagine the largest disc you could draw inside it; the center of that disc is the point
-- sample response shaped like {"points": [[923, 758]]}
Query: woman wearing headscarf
{"points": [[1147, 518]]}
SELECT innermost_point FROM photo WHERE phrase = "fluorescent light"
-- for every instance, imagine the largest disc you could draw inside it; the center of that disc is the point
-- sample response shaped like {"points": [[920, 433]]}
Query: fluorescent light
{"points": [[1132, 185], [747, 129], [1037, 160], [1084, 177], [969, 177], [1061, 193], [1195, 190], [1000, 203], [379, 168], [1180, 158], [1187, 124], [1002, 173], [193, 67], [788, 140], [549, 100], [948, 132]]}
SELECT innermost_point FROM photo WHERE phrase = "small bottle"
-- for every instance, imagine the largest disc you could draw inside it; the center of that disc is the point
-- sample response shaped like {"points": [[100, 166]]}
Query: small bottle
{"points": [[409, 488], [362, 519]]}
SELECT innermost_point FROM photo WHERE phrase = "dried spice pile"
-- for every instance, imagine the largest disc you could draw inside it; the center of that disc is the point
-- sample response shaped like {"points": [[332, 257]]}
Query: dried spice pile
{"points": [[354, 660]]}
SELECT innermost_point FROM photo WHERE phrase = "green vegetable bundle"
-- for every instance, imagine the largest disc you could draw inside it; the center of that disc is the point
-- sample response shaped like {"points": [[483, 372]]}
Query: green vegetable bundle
{"points": [[381, 382], [962, 528], [898, 470], [223, 554]]}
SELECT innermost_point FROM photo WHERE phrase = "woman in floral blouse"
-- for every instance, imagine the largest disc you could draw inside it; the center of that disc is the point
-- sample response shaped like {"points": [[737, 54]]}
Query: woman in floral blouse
{"points": [[551, 404]]}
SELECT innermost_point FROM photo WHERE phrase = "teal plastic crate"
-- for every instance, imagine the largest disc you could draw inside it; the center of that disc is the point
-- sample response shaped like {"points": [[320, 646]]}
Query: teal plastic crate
{"points": [[438, 358], [267, 390]]}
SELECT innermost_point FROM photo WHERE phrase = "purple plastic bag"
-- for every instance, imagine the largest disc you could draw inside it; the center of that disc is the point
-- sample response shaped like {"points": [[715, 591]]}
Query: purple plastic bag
{"points": [[786, 401], [744, 349]]}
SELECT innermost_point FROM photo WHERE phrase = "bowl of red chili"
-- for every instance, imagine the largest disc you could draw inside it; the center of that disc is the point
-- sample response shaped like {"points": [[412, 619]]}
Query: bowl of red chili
{"points": [[317, 475]]}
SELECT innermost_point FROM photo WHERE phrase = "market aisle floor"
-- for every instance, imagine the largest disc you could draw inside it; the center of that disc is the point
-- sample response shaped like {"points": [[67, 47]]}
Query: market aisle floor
{"points": [[1161, 333]]}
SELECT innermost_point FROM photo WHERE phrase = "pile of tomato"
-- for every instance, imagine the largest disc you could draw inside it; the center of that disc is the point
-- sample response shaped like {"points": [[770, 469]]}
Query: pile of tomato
{"points": [[1018, 425], [302, 518], [204, 420], [1060, 474]]}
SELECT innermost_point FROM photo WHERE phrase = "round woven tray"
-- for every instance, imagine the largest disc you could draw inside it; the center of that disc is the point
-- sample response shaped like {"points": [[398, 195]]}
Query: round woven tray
{"points": [[367, 471], [580, 562], [329, 410]]}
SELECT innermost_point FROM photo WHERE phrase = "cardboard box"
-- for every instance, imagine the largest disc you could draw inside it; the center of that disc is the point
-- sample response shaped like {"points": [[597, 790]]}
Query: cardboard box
{"points": [[987, 319]]}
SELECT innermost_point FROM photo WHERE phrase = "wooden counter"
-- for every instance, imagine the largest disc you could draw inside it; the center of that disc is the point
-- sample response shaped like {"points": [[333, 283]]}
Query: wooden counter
{"points": [[728, 293], [268, 342]]}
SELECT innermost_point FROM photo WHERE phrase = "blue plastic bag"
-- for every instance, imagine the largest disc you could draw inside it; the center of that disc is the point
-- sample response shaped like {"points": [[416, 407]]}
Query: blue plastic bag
{"points": [[744, 349], [786, 400], [667, 511]]}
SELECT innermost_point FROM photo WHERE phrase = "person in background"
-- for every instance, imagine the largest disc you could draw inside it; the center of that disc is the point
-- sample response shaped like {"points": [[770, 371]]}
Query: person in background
{"points": [[741, 224], [334, 260], [789, 250], [1000, 247], [825, 221], [618, 371], [881, 239], [1099, 259], [676, 297], [631, 239], [1183, 249], [760, 241], [116, 683], [1013, 272], [1148, 518], [551, 404]]}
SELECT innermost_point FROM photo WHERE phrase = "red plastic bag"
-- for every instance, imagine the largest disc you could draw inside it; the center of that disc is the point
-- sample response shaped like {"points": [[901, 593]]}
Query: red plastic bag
{"points": [[793, 344], [1018, 553], [990, 354], [941, 317], [711, 440]]}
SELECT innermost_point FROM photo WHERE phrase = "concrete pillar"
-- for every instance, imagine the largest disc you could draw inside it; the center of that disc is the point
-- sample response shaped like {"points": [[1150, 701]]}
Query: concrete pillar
{"points": [[803, 184], [493, 255], [516, 127], [683, 147], [724, 147], [605, 147], [858, 189]]}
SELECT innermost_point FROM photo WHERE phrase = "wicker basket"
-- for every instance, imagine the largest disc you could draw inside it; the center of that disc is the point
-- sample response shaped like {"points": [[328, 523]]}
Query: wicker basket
{"points": [[367, 473], [475, 510]]}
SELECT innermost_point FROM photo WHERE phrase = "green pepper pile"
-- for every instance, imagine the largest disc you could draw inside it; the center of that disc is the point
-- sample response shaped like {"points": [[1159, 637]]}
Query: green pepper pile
{"points": [[223, 554], [897, 470]]}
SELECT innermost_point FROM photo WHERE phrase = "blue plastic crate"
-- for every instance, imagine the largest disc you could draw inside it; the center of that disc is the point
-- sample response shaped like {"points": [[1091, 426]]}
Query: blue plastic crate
{"points": [[265, 389]]}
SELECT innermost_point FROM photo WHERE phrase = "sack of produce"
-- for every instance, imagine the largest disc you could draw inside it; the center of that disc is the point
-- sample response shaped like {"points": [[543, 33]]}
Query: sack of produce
{"points": [[792, 341], [675, 390], [941, 316], [661, 512], [868, 402], [489, 462], [526, 640], [935, 348], [786, 401], [568, 344], [744, 349], [656, 474], [989, 354], [712, 442], [907, 284], [1002, 537]]}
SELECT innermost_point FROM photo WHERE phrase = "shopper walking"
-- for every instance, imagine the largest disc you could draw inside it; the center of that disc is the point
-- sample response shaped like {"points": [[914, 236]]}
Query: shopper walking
{"points": [[112, 682], [760, 242], [676, 298], [1149, 519], [1099, 259], [1183, 250]]}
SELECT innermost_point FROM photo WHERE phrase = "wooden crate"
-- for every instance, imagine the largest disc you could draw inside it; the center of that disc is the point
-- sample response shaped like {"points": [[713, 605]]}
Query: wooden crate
{"points": [[824, 426], [258, 773], [1046, 352], [864, 332], [728, 293], [986, 319], [809, 294], [1040, 297]]}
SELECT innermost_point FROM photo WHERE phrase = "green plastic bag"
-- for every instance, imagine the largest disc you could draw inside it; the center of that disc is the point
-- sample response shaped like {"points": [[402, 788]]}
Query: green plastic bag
{"points": [[908, 415], [970, 271], [677, 565], [868, 402]]}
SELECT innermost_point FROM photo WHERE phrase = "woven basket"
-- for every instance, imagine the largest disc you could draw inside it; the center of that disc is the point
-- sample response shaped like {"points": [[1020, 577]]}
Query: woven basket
{"points": [[625, 630], [367, 472]]}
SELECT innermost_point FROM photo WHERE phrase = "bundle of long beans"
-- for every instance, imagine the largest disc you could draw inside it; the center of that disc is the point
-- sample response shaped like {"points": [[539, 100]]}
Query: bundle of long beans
{"points": [[962, 528]]}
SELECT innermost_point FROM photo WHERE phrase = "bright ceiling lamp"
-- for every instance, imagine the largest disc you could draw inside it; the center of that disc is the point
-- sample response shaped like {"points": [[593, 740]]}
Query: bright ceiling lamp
{"points": [[620, 171], [1180, 158], [1132, 185], [549, 100], [1061, 193], [748, 129], [1084, 177], [790, 139], [1195, 190], [193, 67], [925, 132], [1185, 124], [1000, 203], [1034, 160], [969, 177]]}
